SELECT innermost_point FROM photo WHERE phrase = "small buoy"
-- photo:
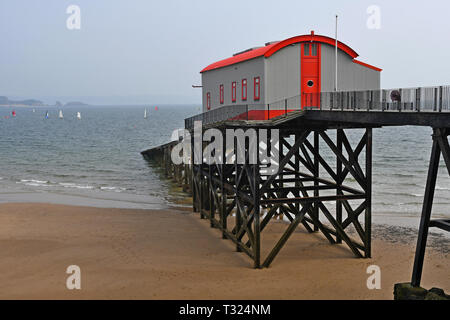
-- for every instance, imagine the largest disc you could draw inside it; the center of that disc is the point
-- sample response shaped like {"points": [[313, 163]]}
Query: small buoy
{"points": [[156, 108], [14, 113]]}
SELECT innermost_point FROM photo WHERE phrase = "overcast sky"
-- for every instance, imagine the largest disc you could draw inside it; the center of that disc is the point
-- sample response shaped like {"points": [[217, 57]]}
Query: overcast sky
{"points": [[140, 50]]}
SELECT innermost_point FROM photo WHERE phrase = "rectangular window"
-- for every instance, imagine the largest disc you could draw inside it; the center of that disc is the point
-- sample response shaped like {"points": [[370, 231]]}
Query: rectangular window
{"points": [[208, 101], [314, 49], [306, 49], [256, 88], [244, 89], [221, 95], [233, 91]]}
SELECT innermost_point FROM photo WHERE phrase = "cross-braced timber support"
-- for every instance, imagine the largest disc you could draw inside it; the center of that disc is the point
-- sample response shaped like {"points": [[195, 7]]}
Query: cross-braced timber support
{"points": [[440, 145], [320, 183]]}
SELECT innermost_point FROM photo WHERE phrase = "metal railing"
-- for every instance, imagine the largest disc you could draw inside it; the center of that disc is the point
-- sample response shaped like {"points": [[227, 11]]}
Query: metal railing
{"points": [[231, 112], [427, 99], [421, 99]]}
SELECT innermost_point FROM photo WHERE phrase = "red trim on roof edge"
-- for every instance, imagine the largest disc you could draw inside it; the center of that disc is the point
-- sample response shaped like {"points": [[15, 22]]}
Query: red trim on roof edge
{"points": [[269, 50], [367, 65], [238, 58]]}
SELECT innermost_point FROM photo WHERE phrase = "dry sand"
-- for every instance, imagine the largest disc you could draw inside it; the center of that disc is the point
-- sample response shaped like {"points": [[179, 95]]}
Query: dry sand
{"points": [[172, 254]]}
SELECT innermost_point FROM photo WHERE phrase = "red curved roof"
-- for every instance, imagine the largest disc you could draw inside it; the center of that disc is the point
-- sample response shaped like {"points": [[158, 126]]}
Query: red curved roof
{"points": [[270, 49], [310, 37], [238, 58]]}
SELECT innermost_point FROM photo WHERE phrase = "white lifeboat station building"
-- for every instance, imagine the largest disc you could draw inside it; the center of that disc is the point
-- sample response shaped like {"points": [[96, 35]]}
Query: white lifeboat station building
{"points": [[289, 74]]}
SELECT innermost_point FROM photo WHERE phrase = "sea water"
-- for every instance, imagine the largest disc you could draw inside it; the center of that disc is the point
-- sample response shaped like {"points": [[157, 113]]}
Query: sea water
{"points": [[96, 160], [93, 161]]}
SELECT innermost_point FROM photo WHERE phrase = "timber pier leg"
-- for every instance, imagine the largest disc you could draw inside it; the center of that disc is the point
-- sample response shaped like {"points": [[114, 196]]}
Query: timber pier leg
{"points": [[368, 213], [426, 210], [281, 184], [256, 212], [203, 193], [211, 191], [316, 176], [238, 218], [193, 179], [339, 181], [185, 178], [223, 192]]}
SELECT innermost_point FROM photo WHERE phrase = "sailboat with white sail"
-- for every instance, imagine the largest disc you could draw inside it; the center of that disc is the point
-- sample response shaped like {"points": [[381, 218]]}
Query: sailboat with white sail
{"points": [[79, 115], [61, 114], [145, 113]]}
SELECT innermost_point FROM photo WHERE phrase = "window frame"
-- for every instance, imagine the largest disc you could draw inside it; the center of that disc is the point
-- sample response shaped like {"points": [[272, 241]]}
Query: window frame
{"points": [[314, 49], [208, 101], [233, 91], [244, 90], [221, 94], [306, 53], [256, 88]]}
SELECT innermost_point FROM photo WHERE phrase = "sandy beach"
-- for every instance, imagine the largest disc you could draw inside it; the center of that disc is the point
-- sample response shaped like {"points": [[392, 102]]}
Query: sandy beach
{"points": [[172, 254]]}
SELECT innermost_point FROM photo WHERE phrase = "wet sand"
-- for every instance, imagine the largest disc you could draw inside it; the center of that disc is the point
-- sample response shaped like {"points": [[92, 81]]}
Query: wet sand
{"points": [[172, 254]]}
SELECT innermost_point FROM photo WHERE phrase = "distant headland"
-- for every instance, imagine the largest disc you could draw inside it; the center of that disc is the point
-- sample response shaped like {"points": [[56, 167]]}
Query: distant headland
{"points": [[5, 101]]}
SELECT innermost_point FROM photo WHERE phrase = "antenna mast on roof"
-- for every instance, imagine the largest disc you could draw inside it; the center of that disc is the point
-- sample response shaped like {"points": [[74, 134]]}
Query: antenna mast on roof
{"points": [[335, 57]]}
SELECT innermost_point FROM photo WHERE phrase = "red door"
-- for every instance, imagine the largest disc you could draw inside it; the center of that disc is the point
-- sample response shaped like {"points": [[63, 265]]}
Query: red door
{"points": [[310, 74]]}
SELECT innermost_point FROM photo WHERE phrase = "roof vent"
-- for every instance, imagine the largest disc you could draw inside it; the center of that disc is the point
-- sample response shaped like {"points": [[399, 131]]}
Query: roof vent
{"points": [[271, 42], [244, 51]]}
